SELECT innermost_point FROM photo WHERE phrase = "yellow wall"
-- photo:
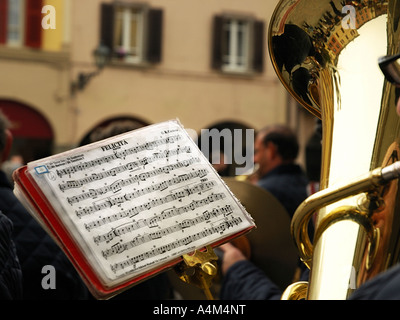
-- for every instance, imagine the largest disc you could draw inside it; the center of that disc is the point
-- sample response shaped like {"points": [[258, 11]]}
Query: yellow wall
{"points": [[53, 38]]}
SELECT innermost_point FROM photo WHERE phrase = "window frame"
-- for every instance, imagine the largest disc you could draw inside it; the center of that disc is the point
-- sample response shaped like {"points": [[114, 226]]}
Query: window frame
{"points": [[232, 60], [254, 49], [128, 12], [29, 25], [20, 26], [150, 48]]}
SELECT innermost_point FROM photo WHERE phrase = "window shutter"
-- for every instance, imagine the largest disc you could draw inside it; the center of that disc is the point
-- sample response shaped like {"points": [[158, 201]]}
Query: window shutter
{"points": [[258, 48], [107, 26], [33, 25], [216, 55], [154, 35], [3, 21]]}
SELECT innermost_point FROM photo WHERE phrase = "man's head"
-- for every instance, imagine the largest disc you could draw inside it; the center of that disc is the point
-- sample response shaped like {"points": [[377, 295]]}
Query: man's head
{"points": [[5, 137], [114, 128], [275, 145]]}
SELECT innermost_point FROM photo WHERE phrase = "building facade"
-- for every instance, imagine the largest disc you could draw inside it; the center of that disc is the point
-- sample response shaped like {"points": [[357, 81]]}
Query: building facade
{"points": [[204, 62]]}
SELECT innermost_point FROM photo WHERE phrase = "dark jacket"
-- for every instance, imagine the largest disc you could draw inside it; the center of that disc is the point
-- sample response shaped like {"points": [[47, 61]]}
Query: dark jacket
{"points": [[36, 249], [288, 183], [245, 281], [10, 271], [385, 286]]}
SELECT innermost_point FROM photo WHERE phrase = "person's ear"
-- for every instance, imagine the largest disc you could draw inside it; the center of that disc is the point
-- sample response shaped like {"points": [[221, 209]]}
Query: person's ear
{"points": [[272, 150]]}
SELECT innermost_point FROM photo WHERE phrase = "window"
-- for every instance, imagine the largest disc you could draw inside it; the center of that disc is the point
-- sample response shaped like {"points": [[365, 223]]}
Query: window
{"points": [[132, 32], [238, 44], [235, 50], [20, 23], [15, 23], [128, 33]]}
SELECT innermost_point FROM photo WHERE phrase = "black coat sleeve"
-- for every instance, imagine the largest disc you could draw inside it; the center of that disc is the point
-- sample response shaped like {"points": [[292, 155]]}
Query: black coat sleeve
{"points": [[10, 271], [244, 281]]}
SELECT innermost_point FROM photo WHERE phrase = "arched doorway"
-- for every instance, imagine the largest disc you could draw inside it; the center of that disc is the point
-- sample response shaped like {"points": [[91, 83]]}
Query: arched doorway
{"points": [[111, 125], [32, 133]]}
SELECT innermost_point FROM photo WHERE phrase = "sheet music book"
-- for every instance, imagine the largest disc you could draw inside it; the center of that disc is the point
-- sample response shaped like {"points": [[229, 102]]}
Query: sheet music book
{"points": [[128, 207]]}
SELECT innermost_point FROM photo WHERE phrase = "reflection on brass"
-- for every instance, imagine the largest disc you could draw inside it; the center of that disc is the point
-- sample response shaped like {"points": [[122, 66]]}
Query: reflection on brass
{"points": [[358, 216], [296, 291], [199, 269], [307, 36], [325, 53], [306, 210]]}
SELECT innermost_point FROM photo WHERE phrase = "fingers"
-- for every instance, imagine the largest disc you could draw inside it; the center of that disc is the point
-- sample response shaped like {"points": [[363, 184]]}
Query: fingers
{"points": [[226, 246]]}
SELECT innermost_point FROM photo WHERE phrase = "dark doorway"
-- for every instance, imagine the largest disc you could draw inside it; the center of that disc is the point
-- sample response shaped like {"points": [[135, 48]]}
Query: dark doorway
{"points": [[32, 133]]}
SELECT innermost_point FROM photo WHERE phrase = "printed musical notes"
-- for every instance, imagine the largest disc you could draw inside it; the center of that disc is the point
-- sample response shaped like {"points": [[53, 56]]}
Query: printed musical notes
{"points": [[138, 200]]}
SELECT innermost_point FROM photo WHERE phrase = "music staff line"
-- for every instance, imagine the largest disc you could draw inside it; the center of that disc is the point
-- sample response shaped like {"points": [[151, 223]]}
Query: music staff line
{"points": [[147, 237], [131, 262], [117, 186], [124, 168], [116, 155], [151, 222], [148, 222], [109, 202]]}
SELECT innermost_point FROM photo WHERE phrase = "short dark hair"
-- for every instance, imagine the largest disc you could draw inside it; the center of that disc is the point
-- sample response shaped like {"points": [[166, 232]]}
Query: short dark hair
{"points": [[4, 125], [114, 128], [285, 140]]}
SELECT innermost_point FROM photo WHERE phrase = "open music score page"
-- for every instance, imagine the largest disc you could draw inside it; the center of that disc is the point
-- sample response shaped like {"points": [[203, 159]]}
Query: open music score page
{"points": [[136, 202]]}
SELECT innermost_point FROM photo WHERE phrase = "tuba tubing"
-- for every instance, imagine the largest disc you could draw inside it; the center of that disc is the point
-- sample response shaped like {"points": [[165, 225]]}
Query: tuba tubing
{"points": [[303, 214], [325, 53], [370, 183]]}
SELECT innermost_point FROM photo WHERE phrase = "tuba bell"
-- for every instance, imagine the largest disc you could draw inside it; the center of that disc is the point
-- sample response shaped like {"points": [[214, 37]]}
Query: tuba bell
{"points": [[325, 52]]}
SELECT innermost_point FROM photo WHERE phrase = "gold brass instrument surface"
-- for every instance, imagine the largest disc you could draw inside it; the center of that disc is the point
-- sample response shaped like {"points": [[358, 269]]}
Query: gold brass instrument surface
{"points": [[199, 269], [326, 56]]}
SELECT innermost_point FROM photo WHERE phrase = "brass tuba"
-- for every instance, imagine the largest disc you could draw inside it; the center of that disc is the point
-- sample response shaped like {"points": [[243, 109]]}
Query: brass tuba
{"points": [[326, 55]]}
